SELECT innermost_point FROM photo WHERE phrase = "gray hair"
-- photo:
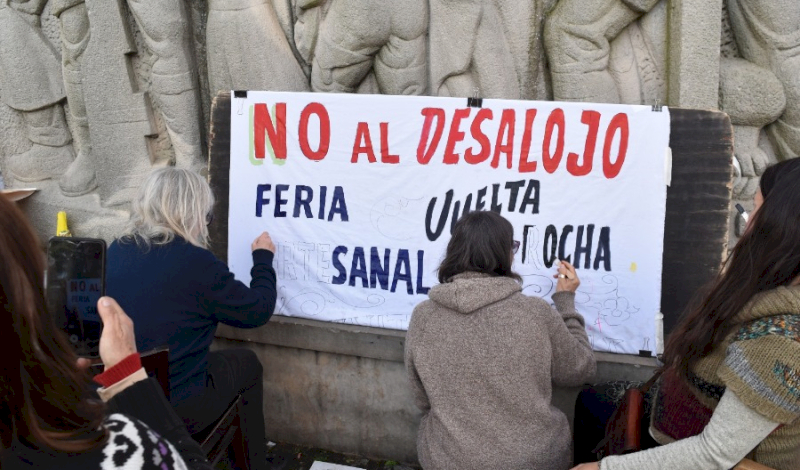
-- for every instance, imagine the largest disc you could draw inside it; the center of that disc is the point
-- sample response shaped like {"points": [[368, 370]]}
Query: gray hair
{"points": [[171, 202]]}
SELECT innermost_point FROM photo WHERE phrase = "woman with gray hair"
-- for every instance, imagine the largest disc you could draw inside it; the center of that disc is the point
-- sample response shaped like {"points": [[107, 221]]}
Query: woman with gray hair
{"points": [[161, 269]]}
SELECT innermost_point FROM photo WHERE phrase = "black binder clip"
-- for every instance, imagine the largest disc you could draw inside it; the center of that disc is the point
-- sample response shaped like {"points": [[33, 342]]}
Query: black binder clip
{"points": [[474, 102], [657, 106], [240, 94]]}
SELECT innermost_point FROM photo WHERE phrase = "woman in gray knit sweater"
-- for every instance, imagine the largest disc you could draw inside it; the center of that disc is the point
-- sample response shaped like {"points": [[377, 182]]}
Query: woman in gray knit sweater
{"points": [[482, 358], [730, 387]]}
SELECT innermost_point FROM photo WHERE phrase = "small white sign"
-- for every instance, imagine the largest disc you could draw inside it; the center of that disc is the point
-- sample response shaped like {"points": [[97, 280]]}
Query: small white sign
{"points": [[331, 466]]}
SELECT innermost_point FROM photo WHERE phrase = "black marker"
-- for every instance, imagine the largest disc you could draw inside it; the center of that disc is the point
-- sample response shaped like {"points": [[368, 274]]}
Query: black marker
{"points": [[742, 212]]}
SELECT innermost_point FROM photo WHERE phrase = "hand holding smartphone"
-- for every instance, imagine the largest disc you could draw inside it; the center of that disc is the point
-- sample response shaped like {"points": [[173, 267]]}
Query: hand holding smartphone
{"points": [[74, 282]]}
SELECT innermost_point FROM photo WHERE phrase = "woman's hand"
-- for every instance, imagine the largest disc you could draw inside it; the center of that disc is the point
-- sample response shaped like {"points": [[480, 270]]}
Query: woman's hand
{"points": [[263, 242], [567, 278], [587, 466], [117, 340]]}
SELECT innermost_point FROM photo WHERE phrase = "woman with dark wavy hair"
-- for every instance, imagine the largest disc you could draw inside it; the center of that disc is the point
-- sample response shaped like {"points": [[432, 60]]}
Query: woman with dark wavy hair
{"points": [[730, 388], [482, 358], [767, 181], [50, 416]]}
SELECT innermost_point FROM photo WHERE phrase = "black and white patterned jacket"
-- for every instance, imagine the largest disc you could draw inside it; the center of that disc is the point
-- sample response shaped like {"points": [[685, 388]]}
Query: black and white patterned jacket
{"points": [[161, 444]]}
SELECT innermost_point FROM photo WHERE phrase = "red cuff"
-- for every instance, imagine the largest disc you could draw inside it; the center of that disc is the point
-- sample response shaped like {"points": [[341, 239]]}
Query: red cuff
{"points": [[122, 369]]}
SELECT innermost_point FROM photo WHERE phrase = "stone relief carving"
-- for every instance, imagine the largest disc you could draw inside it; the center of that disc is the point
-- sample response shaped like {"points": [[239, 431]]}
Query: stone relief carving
{"points": [[359, 37], [759, 83], [31, 83], [578, 37], [80, 177], [498, 50], [582, 42], [247, 48], [114, 92], [164, 26], [638, 59], [767, 34], [109, 117]]}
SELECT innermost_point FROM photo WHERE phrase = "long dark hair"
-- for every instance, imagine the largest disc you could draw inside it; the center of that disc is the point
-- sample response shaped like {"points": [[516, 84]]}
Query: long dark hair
{"points": [[767, 256], [767, 180], [481, 242], [45, 399]]}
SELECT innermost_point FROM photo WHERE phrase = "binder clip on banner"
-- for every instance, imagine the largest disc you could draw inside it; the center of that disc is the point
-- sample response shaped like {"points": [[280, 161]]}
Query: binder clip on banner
{"points": [[474, 102], [240, 94], [657, 106]]}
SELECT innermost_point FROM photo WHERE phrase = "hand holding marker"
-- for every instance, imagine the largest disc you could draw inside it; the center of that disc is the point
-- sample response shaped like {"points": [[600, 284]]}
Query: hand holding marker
{"points": [[567, 277]]}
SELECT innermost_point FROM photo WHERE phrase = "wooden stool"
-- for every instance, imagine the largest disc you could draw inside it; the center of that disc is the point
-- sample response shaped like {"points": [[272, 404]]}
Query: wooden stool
{"points": [[226, 433]]}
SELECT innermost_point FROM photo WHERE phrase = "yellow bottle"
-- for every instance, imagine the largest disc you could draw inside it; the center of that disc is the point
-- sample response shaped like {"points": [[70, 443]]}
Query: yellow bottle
{"points": [[62, 230]]}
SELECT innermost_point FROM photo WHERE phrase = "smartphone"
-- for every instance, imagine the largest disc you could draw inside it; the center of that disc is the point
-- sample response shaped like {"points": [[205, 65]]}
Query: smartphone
{"points": [[74, 282]]}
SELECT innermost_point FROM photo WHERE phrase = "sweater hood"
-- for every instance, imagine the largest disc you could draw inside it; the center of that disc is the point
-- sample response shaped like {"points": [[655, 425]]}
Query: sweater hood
{"points": [[468, 292], [779, 301]]}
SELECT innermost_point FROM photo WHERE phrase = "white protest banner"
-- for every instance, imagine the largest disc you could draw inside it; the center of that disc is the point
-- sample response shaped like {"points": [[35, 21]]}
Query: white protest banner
{"points": [[360, 192]]}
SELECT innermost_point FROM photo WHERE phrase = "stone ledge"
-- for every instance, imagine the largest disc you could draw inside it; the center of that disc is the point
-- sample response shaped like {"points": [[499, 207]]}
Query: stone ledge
{"points": [[611, 367], [630, 359], [336, 338], [365, 341]]}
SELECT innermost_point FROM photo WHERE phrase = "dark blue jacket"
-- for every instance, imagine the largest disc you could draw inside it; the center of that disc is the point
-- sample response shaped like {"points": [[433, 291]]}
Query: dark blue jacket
{"points": [[176, 294]]}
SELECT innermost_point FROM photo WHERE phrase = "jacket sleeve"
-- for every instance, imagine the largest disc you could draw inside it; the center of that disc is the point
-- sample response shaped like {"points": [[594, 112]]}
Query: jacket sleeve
{"points": [[420, 397], [734, 430], [573, 361], [230, 301], [145, 401]]}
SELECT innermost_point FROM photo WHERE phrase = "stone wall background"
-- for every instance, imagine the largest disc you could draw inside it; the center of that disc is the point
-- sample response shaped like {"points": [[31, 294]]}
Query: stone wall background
{"points": [[685, 53]]}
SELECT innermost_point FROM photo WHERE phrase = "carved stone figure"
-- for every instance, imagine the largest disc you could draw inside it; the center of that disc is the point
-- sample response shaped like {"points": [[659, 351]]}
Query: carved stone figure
{"points": [[759, 77], [80, 178], [31, 83], [308, 18], [165, 29], [578, 38], [753, 97], [768, 34], [490, 45], [596, 50], [361, 36], [247, 49], [638, 60]]}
